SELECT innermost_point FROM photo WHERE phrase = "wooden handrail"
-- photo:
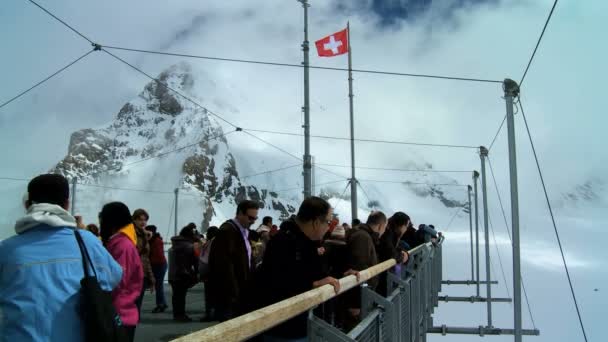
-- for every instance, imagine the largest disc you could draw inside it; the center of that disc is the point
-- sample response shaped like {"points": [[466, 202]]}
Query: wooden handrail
{"points": [[258, 321]]}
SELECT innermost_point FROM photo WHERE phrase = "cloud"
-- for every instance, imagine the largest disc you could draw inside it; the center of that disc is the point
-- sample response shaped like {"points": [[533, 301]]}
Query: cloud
{"points": [[561, 95]]}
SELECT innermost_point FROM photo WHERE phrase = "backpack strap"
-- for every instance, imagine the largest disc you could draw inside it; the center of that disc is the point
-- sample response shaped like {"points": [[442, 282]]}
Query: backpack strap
{"points": [[86, 259]]}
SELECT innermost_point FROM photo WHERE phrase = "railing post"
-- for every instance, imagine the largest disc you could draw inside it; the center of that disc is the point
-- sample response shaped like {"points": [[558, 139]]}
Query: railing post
{"points": [[483, 154], [512, 90], [475, 179], [469, 189]]}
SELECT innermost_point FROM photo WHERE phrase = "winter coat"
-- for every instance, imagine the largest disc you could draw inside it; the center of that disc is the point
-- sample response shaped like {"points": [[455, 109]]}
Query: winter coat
{"points": [[291, 264], [183, 262], [157, 250], [123, 250], [411, 237], [230, 269], [388, 248], [40, 273], [143, 247], [361, 247]]}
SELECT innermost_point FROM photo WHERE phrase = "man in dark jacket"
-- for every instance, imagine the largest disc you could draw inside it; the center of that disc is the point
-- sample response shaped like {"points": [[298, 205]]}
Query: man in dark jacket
{"points": [[230, 263], [389, 246], [362, 254], [292, 264]]}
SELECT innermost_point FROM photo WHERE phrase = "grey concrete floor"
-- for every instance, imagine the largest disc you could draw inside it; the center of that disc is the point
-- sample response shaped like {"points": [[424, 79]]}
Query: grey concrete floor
{"points": [[155, 327]]}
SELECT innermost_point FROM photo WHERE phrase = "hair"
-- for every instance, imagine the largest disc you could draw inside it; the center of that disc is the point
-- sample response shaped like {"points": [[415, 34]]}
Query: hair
{"points": [[93, 229], [112, 217], [187, 232], [313, 208], [191, 225], [356, 222], [151, 228], [397, 220], [246, 205], [139, 213], [376, 217], [266, 220], [212, 232], [48, 188]]}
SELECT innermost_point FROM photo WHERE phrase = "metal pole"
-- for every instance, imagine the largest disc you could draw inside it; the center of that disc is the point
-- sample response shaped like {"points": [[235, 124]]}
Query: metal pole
{"points": [[471, 231], [313, 182], [307, 159], [512, 90], [73, 206], [353, 179], [475, 178], [176, 211], [483, 154]]}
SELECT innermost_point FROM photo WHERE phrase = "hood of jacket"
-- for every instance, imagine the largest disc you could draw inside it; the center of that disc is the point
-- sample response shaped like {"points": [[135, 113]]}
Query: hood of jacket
{"points": [[129, 231], [47, 214]]}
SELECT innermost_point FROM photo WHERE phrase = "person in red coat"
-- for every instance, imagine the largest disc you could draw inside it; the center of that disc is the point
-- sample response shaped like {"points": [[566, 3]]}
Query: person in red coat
{"points": [[159, 267]]}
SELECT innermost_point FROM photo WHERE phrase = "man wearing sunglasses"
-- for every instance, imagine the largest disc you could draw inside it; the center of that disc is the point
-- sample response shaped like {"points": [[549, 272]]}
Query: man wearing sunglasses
{"points": [[230, 263], [292, 265]]}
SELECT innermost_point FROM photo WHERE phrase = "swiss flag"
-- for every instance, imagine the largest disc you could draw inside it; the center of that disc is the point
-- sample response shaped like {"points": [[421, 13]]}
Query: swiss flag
{"points": [[333, 45]]}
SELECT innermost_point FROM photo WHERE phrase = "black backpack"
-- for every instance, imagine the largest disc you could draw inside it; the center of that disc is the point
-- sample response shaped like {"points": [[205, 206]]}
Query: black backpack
{"points": [[101, 322]]}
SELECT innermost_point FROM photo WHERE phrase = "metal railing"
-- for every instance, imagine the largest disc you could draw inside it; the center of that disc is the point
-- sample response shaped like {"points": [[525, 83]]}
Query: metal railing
{"points": [[403, 316]]}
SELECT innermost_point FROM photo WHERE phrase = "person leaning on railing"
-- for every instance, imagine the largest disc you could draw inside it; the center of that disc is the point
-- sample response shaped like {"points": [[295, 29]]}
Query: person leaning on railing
{"points": [[362, 246], [292, 265], [389, 246]]}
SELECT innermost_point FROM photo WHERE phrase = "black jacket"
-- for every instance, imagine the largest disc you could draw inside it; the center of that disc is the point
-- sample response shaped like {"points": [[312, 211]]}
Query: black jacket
{"points": [[182, 261], [229, 269], [291, 264], [411, 237], [388, 249]]}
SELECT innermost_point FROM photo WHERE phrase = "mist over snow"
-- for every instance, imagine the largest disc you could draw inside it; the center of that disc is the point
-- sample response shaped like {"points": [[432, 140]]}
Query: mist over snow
{"points": [[490, 39]]}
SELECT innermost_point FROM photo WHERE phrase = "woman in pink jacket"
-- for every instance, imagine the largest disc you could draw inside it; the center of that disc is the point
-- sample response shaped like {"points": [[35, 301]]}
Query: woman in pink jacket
{"points": [[118, 235]]}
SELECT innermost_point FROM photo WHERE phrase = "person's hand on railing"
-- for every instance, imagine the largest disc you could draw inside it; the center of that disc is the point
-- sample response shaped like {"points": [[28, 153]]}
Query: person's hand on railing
{"points": [[352, 272], [328, 280], [404, 257]]}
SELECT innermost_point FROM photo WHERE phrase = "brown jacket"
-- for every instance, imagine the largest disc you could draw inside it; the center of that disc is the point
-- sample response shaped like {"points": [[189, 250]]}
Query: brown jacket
{"points": [[143, 247], [361, 246], [229, 269]]}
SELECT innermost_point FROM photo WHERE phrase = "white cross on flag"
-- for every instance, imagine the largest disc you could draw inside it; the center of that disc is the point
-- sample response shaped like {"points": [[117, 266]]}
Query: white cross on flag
{"points": [[333, 45]]}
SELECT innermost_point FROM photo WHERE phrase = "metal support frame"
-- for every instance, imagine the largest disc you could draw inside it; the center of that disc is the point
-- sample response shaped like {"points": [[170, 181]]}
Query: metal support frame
{"points": [[483, 154], [474, 299], [481, 331], [475, 180], [175, 231], [466, 282], [511, 89], [73, 206]]}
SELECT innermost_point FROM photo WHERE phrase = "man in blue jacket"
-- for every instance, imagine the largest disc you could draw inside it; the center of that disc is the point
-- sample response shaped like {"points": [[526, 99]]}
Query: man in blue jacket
{"points": [[41, 268]]}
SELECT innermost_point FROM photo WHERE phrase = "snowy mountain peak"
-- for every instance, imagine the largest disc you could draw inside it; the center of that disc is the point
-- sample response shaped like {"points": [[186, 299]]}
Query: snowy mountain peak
{"points": [[161, 138]]}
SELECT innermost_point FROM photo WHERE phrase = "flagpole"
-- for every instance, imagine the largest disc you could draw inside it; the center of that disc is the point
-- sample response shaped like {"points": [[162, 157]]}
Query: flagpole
{"points": [[353, 179], [307, 172]]}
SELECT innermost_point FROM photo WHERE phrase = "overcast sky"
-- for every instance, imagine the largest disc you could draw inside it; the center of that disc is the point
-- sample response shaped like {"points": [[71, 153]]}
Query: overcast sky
{"points": [[489, 39]]}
